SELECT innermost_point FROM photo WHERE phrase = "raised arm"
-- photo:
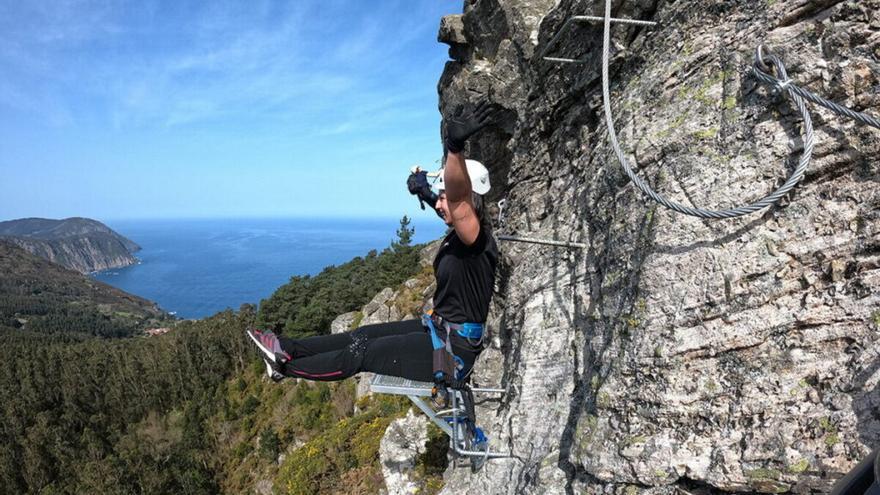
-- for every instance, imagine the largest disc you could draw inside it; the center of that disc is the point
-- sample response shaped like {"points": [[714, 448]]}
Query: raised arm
{"points": [[459, 192], [459, 197]]}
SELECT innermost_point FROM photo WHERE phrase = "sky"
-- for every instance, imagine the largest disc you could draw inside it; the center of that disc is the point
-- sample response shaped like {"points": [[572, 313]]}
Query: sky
{"points": [[142, 109]]}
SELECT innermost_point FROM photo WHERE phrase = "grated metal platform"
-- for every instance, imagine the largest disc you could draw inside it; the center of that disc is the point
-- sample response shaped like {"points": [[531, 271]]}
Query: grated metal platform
{"points": [[384, 384]]}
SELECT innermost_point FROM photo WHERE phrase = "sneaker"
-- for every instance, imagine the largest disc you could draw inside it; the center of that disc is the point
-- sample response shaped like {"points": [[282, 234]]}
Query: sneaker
{"points": [[272, 353]]}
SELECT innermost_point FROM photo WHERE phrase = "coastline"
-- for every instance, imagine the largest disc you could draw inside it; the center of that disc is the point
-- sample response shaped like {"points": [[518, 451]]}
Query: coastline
{"points": [[196, 268]]}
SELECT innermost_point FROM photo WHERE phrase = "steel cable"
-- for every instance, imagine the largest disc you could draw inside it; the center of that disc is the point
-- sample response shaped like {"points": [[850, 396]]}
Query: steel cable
{"points": [[768, 200], [761, 72]]}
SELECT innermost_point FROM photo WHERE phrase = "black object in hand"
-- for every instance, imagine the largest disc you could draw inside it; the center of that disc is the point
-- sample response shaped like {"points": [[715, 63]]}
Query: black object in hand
{"points": [[459, 129], [417, 183]]}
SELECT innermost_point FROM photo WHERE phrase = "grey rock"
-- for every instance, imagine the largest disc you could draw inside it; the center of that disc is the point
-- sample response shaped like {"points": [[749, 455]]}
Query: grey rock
{"points": [[378, 301], [362, 388], [399, 450], [429, 252], [429, 290], [380, 314], [452, 30], [343, 322], [377, 310], [393, 314], [836, 269], [263, 487], [757, 351]]}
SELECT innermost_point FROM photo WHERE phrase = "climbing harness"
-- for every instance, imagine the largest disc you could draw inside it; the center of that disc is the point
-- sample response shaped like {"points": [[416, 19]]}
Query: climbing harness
{"points": [[448, 369], [762, 71], [451, 405]]}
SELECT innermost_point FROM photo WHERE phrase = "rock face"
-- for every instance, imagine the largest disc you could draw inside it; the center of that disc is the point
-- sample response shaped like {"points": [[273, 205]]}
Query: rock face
{"points": [[399, 449], [676, 353], [80, 244]]}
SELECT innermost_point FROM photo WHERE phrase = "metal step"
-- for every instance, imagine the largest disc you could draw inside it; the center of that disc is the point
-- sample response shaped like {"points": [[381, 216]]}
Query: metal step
{"points": [[384, 384]]}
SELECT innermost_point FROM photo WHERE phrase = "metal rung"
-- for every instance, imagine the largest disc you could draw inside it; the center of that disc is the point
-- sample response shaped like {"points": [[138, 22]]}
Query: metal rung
{"points": [[448, 412], [488, 390], [547, 242], [487, 455], [585, 18]]}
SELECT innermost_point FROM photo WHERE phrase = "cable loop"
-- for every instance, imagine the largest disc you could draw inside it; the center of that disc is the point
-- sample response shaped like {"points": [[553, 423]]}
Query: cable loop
{"points": [[768, 200]]}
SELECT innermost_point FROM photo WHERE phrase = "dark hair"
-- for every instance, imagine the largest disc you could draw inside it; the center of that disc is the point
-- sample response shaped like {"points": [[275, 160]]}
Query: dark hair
{"points": [[482, 212]]}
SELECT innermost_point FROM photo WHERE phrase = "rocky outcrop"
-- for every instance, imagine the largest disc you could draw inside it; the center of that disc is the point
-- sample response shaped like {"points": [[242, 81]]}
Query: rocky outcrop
{"points": [[343, 322], [80, 244], [399, 450], [676, 353], [378, 310]]}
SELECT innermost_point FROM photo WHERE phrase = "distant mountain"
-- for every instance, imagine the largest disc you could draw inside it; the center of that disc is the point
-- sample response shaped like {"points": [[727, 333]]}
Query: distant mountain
{"points": [[44, 297], [80, 244]]}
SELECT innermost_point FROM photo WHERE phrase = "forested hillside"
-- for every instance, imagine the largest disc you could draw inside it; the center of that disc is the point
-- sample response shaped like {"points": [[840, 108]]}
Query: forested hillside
{"points": [[306, 305], [44, 297], [115, 416], [186, 412]]}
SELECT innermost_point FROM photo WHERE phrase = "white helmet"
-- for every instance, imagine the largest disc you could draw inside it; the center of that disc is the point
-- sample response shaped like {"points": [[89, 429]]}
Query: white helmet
{"points": [[479, 177]]}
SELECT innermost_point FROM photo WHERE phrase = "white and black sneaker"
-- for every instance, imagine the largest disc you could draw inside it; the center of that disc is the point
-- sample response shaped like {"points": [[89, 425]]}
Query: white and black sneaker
{"points": [[272, 353]]}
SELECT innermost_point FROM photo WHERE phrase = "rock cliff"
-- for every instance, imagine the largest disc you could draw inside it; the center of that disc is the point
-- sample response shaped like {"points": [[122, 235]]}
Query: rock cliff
{"points": [[674, 354], [80, 244]]}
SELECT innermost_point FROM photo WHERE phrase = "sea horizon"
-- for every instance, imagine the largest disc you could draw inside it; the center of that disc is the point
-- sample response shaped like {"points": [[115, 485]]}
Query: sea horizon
{"points": [[429, 217], [195, 268]]}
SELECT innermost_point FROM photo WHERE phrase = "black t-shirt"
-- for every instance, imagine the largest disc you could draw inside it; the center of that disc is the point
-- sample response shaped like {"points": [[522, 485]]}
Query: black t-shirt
{"points": [[465, 278]]}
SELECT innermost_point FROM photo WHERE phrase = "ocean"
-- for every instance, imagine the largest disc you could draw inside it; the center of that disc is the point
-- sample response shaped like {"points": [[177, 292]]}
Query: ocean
{"points": [[195, 268]]}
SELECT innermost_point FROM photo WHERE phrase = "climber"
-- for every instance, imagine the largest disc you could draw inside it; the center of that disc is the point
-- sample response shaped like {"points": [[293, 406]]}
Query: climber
{"points": [[464, 269]]}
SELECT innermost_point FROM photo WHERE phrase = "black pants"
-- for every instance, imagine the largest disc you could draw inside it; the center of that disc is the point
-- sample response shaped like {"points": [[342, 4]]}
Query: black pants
{"points": [[400, 348]]}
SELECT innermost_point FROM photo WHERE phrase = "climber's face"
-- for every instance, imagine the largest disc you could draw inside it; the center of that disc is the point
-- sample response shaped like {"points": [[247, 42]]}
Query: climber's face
{"points": [[442, 208]]}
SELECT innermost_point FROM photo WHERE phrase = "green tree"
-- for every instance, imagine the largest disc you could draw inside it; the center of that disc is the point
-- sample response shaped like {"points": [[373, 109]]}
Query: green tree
{"points": [[404, 233]]}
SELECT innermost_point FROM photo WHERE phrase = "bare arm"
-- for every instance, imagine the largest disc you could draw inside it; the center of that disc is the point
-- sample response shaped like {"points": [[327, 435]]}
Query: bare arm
{"points": [[460, 199], [459, 192]]}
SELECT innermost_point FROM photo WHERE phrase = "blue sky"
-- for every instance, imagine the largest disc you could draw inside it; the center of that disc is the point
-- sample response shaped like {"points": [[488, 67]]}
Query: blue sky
{"points": [[143, 109]]}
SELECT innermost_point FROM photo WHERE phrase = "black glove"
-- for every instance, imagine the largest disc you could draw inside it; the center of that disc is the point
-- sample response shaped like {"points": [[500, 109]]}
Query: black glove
{"points": [[459, 129], [417, 183]]}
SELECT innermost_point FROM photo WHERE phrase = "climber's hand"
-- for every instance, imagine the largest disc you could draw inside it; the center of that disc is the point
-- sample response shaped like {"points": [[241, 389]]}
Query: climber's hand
{"points": [[458, 129]]}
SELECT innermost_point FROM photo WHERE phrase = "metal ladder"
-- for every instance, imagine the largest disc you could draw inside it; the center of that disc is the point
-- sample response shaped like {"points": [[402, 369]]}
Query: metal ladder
{"points": [[451, 421]]}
